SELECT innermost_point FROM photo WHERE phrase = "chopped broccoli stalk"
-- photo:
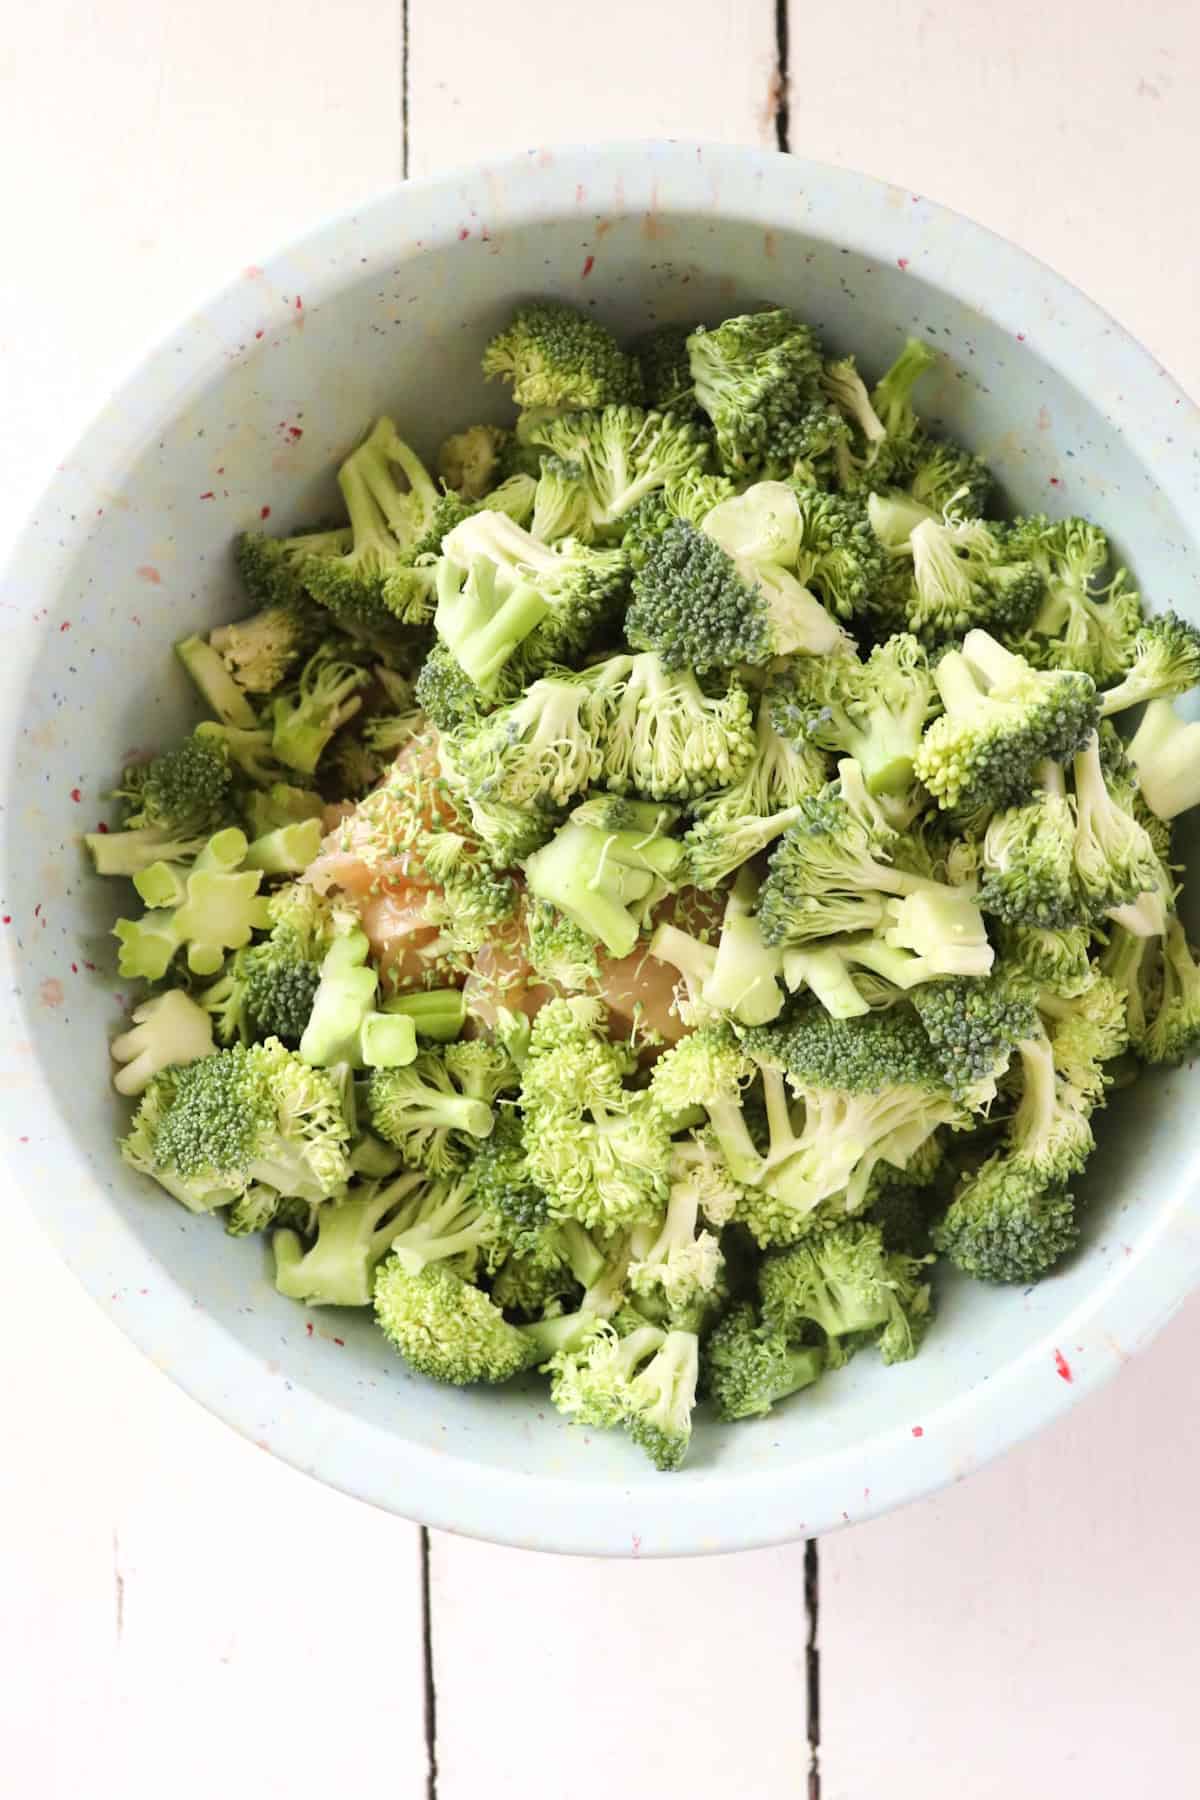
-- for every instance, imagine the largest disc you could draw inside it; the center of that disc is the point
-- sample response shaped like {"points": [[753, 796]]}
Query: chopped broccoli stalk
{"points": [[986, 748], [437, 1013], [213, 908], [342, 1027], [873, 711], [748, 1368], [1165, 751], [269, 809], [217, 687], [169, 1030], [207, 1131], [558, 358], [287, 850], [353, 1237], [846, 1283], [1165, 661], [603, 880], [738, 976]]}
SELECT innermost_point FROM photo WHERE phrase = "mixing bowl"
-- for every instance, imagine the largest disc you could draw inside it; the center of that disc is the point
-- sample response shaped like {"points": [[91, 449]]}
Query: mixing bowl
{"points": [[240, 417]]}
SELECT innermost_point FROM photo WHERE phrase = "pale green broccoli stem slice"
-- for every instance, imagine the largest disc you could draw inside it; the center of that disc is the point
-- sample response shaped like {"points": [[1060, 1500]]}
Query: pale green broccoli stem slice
{"points": [[737, 976], [287, 850], [353, 1236], [825, 972], [168, 1031], [211, 909], [217, 686], [944, 927], [344, 1026], [127, 853], [437, 1013], [894, 517], [1165, 751], [598, 877]]}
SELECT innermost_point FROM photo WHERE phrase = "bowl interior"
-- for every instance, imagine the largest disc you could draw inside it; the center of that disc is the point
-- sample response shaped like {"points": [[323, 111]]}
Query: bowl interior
{"points": [[241, 420]]}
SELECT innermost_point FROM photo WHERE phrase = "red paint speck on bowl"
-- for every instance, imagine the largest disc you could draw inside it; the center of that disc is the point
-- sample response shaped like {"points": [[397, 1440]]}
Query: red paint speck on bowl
{"points": [[1062, 1366]]}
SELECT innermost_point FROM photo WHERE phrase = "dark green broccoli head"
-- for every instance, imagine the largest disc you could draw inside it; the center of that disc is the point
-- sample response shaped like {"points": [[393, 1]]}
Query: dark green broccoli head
{"points": [[973, 1026], [944, 475], [185, 791], [841, 557], [1006, 1224], [747, 1368], [854, 1056], [662, 357], [755, 376]]}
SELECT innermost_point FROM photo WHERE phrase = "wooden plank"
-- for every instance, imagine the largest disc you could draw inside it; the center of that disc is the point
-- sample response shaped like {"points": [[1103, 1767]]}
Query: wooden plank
{"points": [[587, 1677], [1030, 1631], [1075, 139], [176, 1604], [482, 86]]}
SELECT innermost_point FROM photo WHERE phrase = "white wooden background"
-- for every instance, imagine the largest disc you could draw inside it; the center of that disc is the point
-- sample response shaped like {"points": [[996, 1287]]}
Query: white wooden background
{"points": [[179, 1613]]}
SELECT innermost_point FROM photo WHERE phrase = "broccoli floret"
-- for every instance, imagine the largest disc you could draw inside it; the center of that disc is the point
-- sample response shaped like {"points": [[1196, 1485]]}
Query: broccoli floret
{"points": [[986, 747], [967, 573], [599, 1151], [872, 1091], [538, 751], [945, 477], [851, 1288], [305, 717], [974, 1027], [469, 461], [748, 1368], [172, 805], [1057, 960], [884, 427], [605, 879], [1080, 623], [422, 1111], [921, 938], [1115, 859], [169, 1031], [450, 1331], [708, 1068], [700, 609], [735, 824], [758, 378], [738, 976], [679, 1268], [560, 953], [592, 1385], [501, 591], [661, 735], [1086, 1031], [1029, 860], [474, 900], [205, 1132], [259, 651], [1171, 1033], [827, 874], [1165, 661], [662, 357], [212, 908], [1165, 751], [662, 1397], [273, 568], [1012, 1219], [446, 694], [691, 498], [386, 579], [353, 1237], [556, 357], [873, 711], [219, 691], [600, 465], [267, 991], [841, 557]]}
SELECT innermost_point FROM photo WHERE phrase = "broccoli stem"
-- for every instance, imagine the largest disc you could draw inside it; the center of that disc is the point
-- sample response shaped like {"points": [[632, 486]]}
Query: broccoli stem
{"points": [[1166, 753], [827, 976], [287, 850], [437, 1013], [215, 683], [129, 852]]}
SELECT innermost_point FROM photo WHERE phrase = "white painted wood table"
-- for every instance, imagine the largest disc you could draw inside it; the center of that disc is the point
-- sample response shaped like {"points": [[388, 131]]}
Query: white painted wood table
{"points": [[180, 1614]]}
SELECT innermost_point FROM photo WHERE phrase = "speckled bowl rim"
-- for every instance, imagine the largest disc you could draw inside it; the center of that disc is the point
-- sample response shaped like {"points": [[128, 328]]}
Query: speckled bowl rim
{"points": [[724, 1511]]}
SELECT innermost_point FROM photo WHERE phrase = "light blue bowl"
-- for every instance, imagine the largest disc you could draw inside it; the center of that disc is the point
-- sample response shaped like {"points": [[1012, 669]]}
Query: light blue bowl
{"points": [[242, 415]]}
